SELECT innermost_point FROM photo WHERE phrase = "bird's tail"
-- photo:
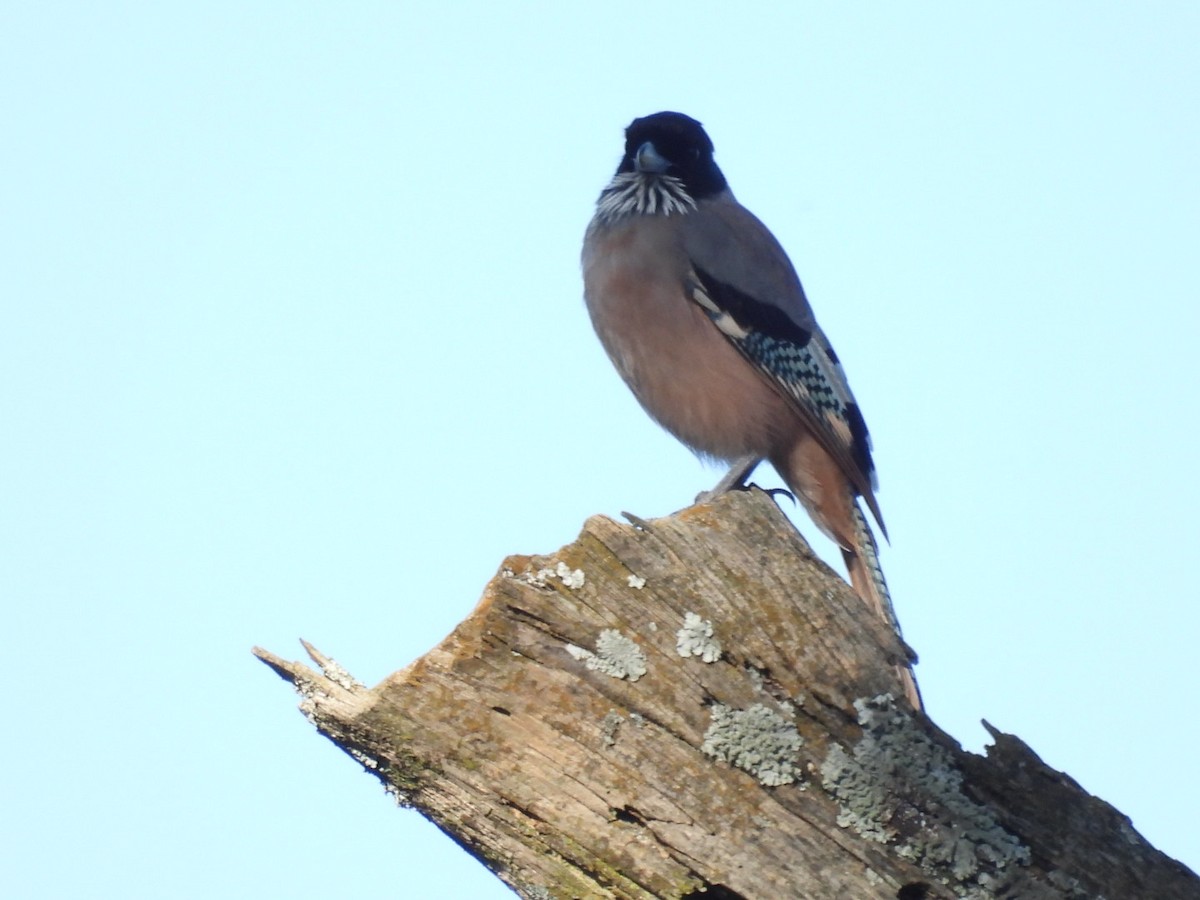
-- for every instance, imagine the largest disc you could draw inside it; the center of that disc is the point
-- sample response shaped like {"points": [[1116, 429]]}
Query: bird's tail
{"points": [[866, 576]]}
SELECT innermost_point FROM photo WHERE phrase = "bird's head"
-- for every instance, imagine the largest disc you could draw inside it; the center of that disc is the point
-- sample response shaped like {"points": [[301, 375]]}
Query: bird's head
{"points": [[675, 145]]}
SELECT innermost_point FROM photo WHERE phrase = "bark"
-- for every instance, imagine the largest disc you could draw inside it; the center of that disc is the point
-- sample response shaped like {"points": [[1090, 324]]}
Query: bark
{"points": [[697, 706]]}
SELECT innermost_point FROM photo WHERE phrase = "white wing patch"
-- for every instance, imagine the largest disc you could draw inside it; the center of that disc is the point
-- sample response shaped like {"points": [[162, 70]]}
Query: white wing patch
{"points": [[723, 320]]}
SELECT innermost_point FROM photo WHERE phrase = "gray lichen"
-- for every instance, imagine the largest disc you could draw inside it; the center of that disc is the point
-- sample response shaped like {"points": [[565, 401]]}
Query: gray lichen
{"points": [[695, 638], [365, 760], [615, 655], [572, 578], [1070, 887], [402, 798], [898, 786], [758, 740], [335, 672]]}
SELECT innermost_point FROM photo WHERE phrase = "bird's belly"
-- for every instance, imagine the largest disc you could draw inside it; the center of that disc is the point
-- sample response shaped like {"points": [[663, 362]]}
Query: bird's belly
{"points": [[684, 372]]}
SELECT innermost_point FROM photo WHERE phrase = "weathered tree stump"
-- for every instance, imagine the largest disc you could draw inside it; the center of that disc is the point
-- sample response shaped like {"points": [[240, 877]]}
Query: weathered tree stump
{"points": [[697, 706]]}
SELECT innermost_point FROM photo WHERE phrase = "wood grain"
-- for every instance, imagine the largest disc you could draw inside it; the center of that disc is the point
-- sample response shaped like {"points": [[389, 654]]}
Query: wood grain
{"points": [[571, 734]]}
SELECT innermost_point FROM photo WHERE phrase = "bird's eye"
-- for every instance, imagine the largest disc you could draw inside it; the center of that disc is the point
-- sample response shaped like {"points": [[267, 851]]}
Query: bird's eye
{"points": [[694, 153]]}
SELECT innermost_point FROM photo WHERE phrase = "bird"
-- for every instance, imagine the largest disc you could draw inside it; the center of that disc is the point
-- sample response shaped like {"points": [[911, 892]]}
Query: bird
{"points": [[704, 317]]}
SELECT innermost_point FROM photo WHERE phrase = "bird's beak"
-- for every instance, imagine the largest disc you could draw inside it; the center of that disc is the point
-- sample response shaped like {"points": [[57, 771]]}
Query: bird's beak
{"points": [[647, 159]]}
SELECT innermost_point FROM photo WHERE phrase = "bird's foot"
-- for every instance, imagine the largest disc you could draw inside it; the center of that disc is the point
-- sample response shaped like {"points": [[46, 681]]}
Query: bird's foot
{"points": [[734, 479]]}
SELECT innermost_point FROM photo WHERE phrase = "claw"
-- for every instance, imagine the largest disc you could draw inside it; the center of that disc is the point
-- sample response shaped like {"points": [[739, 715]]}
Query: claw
{"points": [[773, 491]]}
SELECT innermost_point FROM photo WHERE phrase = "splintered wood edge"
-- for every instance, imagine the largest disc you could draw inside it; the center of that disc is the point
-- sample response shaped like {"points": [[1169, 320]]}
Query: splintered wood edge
{"points": [[329, 696], [291, 672]]}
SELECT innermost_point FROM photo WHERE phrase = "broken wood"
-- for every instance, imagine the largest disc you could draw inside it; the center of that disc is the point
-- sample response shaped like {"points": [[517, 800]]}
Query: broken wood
{"points": [[696, 706]]}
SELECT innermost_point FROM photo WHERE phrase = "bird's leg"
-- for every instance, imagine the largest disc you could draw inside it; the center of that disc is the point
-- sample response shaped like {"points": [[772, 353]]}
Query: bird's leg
{"points": [[734, 478]]}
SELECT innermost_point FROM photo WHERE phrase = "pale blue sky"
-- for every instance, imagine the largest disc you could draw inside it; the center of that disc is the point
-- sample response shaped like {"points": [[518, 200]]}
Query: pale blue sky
{"points": [[292, 344]]}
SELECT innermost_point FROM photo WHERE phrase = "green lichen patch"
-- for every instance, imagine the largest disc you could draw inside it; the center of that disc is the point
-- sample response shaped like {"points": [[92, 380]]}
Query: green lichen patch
{"points": [[758, 740], [695, 638], [616, 655], [897, 786]]}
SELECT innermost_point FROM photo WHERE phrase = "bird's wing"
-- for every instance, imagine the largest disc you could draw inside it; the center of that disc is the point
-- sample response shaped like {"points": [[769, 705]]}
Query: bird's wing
{"points": [[743, 280]]}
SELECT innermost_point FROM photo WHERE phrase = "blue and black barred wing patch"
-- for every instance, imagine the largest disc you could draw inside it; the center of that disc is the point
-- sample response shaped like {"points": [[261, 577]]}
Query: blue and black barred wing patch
{"points": [[803, 373], [802, 365]]}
